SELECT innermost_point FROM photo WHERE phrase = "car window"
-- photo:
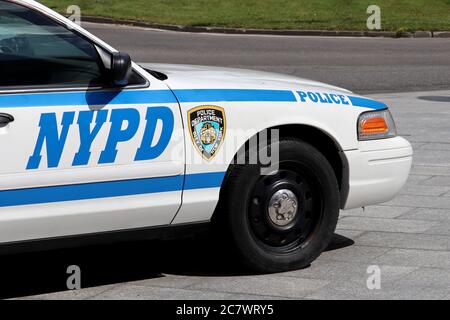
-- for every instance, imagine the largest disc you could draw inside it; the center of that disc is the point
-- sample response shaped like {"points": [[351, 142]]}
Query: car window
{"points": [[37, 51]]}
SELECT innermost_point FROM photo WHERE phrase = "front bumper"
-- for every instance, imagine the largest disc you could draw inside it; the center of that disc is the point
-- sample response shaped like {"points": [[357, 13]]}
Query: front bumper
{"points": [[378, 171]]}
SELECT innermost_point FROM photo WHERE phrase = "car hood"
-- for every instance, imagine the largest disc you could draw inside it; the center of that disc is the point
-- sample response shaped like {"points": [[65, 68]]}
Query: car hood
{"points": [[200, 77]]}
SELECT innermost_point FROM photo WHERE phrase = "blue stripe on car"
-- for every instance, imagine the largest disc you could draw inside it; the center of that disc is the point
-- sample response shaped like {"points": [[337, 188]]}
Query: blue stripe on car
{"points": [[366, 103], [100, 98], [110, 189], [92, 98], [218, 95]]}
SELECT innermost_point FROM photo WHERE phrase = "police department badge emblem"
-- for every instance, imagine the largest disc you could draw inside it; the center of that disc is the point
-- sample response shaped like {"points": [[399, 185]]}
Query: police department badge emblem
{"points": [[207, 125]]}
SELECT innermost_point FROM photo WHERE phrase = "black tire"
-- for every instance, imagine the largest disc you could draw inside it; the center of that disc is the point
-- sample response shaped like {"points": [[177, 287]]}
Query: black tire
{"points": [[262, 244]]}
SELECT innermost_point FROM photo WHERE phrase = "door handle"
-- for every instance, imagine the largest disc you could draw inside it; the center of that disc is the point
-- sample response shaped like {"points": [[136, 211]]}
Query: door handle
{"points": [[5, 119]]}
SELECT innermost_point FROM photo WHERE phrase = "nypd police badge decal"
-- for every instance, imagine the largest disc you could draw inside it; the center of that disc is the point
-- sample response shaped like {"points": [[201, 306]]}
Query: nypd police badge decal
{"points": [[207, 125]]}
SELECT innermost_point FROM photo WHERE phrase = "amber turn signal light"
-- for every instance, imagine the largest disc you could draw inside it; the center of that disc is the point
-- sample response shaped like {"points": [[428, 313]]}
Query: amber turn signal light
{"points": [[376, 125]]}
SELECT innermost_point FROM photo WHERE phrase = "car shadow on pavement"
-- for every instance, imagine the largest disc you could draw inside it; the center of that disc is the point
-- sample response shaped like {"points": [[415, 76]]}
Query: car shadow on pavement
{"points": [[46, 272], [435, 98]]}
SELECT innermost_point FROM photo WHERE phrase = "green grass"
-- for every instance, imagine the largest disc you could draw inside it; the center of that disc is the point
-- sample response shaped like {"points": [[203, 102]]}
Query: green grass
{"points": [[397, 15]]}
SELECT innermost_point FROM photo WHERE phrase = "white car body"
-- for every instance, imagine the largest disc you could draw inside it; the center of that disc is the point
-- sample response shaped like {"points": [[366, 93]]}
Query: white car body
{"points": [[67, 200]]}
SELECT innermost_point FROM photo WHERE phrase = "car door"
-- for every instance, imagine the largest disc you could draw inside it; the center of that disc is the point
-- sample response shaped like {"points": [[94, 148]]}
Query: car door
{"points": [[77, 155]]}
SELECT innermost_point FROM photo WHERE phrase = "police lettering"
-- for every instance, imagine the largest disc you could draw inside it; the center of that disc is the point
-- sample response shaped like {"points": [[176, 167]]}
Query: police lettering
{"points": [[321, 97], [124, 126]]}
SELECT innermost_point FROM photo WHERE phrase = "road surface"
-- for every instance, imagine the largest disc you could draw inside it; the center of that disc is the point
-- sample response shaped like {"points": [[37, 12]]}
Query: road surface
{"points": [[364, 65]]}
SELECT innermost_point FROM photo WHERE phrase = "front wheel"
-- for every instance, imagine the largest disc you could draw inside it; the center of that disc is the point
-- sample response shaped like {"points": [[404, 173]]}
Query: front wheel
{"points": [[284, 220]]}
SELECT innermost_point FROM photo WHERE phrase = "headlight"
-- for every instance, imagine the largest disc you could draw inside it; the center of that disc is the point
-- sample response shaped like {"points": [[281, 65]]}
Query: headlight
{"points": [[376, 125]]}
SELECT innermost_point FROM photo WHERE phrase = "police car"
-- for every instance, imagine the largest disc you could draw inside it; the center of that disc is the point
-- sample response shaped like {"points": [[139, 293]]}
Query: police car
{"points": [[96, 147]]}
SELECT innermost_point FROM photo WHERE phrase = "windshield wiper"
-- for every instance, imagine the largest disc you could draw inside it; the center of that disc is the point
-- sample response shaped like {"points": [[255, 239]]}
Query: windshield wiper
{"points": [[158, 75]]}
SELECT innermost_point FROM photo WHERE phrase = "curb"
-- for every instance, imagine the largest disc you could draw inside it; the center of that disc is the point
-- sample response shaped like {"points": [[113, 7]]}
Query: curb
{"points": [[441, 34], [220, 30]]}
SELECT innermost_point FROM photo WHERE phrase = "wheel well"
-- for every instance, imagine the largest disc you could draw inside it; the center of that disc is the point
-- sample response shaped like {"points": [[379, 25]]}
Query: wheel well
{"points": [[330, 149], [326, 145]]}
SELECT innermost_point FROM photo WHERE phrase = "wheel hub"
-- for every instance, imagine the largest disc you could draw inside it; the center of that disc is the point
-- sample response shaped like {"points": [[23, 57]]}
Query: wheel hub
{"points": [[283, 208]]}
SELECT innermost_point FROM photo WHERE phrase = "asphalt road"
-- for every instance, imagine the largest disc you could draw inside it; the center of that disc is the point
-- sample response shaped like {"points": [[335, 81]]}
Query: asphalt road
{"points": [[408, 238], [364, 65]]}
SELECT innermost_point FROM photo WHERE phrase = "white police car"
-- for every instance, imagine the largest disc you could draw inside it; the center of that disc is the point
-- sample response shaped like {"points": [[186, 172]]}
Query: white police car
{"points": [[95, 146]]}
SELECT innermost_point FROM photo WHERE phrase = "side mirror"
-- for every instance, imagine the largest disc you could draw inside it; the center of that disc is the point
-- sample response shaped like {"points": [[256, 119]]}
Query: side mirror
{"points": [[120, 69]]}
